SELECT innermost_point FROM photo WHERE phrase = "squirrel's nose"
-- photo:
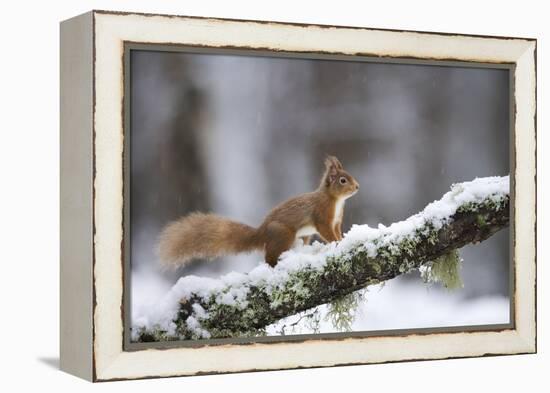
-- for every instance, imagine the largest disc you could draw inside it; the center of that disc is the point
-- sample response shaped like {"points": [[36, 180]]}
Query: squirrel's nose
{"points": [[356, 186]]}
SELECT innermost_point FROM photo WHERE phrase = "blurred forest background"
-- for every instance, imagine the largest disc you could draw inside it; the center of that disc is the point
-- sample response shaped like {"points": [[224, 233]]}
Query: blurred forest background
{"points": [[236, 135]]}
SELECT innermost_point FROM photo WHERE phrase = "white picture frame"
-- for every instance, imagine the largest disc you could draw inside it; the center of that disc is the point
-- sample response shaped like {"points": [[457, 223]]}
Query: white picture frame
{"points": [[92, 194]]}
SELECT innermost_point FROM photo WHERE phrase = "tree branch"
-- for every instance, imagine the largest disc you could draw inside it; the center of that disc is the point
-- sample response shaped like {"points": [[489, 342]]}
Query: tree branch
{"points": [[243, 304]]}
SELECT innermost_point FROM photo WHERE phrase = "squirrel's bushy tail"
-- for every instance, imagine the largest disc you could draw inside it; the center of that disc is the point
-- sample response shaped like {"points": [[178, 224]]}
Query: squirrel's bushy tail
{"points": [[201, 235]]}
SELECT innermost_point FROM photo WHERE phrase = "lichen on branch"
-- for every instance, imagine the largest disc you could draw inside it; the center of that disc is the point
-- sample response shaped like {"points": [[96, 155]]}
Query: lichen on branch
{"points": [[239, 304], [445, 270]]}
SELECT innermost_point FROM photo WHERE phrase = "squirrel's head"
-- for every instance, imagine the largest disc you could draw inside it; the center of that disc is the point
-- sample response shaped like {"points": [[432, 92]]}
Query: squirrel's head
{"points": [[337, 181]]}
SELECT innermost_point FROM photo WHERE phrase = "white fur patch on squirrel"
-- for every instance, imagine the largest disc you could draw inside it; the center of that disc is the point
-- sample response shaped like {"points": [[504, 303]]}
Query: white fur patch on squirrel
{"points": [[308, 230]]}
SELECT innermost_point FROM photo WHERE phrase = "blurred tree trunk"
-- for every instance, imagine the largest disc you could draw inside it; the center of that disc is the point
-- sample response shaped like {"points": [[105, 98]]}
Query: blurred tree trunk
{"points": [[165, 151]]}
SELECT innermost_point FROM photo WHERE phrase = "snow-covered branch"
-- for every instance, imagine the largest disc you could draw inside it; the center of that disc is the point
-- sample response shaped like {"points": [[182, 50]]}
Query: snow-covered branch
{"points": [[307, 276]]}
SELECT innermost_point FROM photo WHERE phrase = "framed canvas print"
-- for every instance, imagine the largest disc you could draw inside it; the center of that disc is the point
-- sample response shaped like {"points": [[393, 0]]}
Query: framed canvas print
{"points": [[245, 195]]}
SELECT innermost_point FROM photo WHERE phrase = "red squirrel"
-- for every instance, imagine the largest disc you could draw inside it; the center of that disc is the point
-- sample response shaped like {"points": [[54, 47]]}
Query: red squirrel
{"points": [[320, 212]]}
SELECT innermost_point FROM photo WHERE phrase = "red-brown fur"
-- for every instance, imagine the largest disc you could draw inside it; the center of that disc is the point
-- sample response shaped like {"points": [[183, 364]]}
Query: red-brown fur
{"points": [[201, 235]]}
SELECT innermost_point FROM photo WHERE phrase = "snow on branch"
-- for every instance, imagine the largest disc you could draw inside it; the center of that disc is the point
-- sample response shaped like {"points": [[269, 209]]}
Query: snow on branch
{"points": [[308, 276]]}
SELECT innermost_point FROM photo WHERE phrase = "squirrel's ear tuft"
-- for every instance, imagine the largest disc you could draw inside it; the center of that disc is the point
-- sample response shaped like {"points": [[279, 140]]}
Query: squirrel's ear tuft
{"points": [[332, 161], [333, 165]]}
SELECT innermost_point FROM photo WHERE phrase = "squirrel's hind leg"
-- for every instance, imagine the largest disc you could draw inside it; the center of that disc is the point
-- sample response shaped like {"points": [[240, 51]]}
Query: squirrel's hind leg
{"points": [[279, 239]]}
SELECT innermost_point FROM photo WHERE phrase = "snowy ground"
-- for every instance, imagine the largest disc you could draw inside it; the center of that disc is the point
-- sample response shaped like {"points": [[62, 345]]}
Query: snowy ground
{"points": [[406, 304]]}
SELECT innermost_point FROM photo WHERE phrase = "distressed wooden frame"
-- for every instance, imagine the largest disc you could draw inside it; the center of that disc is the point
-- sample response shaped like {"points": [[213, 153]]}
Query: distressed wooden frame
{"points": [[92, 194]]}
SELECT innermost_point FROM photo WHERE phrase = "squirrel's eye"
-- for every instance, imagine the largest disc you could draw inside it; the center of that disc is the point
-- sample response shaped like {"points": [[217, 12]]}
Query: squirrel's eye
{"points": [[343, 180]]}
